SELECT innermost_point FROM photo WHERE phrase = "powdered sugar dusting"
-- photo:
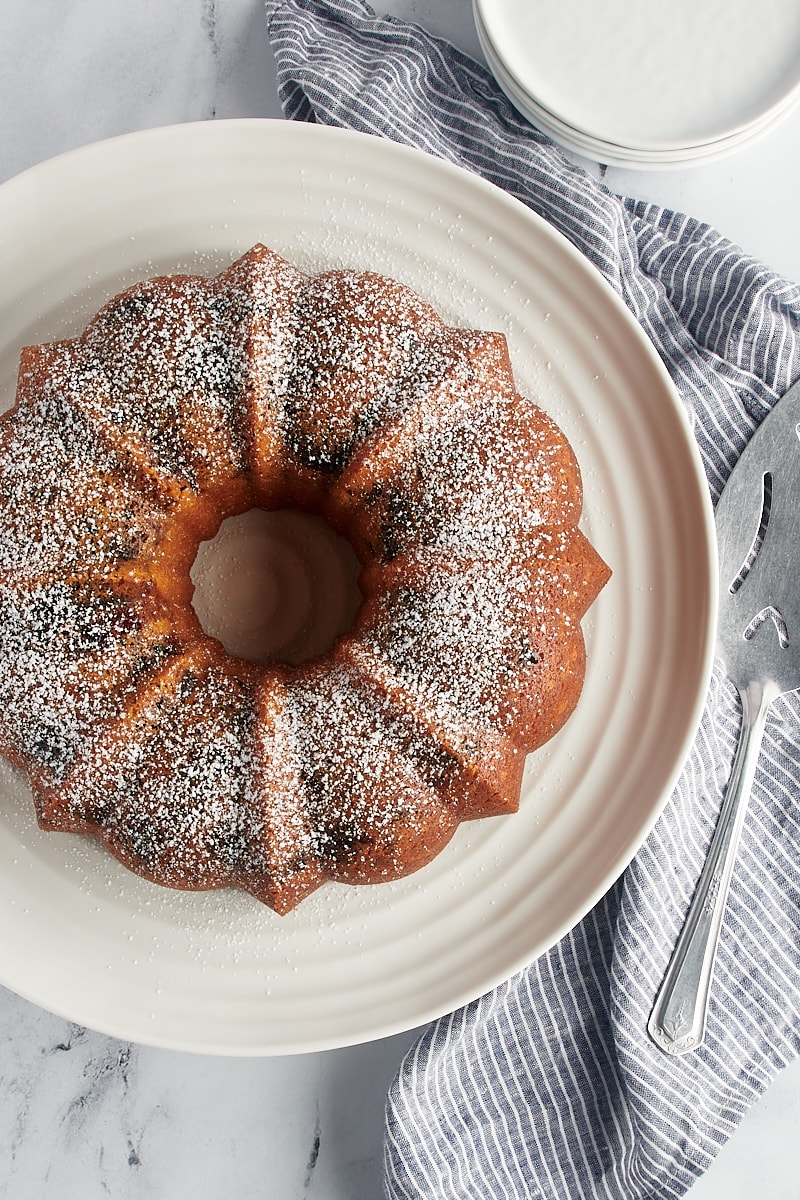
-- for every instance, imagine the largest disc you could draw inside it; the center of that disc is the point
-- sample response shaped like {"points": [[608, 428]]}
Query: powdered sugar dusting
{"points": [[187, 400], [170, 787], [171, 364], [71, 654], [368, 776], [69, 504]]}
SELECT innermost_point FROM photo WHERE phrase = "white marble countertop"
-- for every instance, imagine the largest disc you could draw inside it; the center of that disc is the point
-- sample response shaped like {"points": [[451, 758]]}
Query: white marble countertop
{"points": [[83, 1115]]}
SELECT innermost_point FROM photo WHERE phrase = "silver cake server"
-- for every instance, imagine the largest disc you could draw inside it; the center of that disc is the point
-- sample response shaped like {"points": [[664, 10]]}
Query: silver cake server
{"points": [[758, 530]]}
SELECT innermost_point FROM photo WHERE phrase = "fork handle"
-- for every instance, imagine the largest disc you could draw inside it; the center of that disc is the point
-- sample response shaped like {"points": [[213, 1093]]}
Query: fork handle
{"points": [[678, 1021]]}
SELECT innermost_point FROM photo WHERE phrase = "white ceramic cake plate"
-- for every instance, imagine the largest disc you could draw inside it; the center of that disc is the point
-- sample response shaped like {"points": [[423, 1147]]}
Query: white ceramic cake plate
{"points": [[218, 972]]}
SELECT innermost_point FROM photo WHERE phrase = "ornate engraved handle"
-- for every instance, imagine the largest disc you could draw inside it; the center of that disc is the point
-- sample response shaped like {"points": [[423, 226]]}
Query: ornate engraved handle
{"points": [[678, 1021]]}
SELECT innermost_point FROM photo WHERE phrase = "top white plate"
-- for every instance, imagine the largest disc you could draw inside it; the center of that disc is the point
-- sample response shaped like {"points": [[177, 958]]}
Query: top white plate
{"points": [[218, 972], [657, 77]]}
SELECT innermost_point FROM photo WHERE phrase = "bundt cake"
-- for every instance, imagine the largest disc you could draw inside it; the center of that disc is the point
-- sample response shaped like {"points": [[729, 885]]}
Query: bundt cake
{"points": [[187, 400]]}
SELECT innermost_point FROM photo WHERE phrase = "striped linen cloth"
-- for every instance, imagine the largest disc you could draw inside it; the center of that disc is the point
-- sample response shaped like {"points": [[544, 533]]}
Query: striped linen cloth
{"points": [[549, 1086]]}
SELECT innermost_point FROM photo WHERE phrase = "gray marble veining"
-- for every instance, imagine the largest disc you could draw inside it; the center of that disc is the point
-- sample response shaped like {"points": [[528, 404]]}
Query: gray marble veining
{"points": [[83, 1115]]}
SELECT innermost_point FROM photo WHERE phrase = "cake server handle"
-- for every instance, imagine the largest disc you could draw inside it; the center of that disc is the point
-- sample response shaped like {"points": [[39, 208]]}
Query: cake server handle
{"points": [[678, 1020]]}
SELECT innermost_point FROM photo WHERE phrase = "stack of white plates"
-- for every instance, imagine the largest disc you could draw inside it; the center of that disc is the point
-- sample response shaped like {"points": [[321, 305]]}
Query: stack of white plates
{"points": [[646, 83]]}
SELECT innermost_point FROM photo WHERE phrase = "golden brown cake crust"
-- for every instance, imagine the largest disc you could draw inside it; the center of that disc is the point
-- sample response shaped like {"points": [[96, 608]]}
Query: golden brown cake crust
{"points": [[187, 400]]}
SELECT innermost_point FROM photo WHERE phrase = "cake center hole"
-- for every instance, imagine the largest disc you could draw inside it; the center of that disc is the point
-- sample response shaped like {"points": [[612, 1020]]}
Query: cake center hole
{"points": [[276, 586]]}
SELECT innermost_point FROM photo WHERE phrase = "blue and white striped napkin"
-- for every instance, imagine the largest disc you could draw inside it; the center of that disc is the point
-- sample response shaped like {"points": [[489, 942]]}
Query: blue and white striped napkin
{"points": [[549, 1086]]}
